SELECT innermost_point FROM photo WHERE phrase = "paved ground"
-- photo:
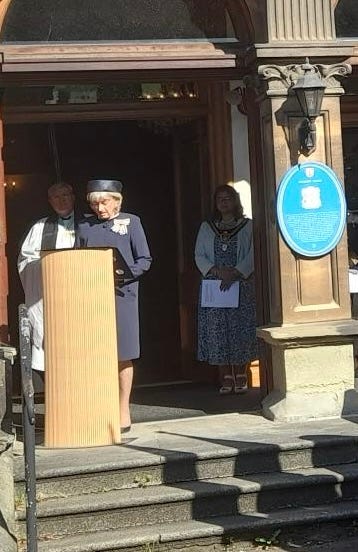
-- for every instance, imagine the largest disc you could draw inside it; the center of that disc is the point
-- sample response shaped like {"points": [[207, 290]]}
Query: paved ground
{"points": [[187, 400], [171, 402]]}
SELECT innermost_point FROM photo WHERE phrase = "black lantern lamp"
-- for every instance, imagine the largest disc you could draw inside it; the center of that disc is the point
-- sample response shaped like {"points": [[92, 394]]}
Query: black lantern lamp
{"points": [[309, 90]]}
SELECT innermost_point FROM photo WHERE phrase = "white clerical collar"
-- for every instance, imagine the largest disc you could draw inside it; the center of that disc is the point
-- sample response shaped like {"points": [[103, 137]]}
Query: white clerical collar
{"points": [[69, 217]]}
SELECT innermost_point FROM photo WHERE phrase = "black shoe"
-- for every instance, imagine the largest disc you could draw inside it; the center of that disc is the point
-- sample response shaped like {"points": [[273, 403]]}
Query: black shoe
{"points": [[125, 429]]}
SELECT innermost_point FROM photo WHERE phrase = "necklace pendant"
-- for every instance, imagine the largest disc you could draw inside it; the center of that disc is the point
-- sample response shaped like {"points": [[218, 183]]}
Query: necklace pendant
{"points": [[224, 246]]}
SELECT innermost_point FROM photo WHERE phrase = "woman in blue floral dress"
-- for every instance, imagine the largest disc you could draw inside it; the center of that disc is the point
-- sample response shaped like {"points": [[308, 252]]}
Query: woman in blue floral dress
{"points": [[224, 251]]}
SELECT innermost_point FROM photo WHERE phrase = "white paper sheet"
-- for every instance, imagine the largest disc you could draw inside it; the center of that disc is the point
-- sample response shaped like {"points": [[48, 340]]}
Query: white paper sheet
{"points": [[353, 280], [212, 296]]}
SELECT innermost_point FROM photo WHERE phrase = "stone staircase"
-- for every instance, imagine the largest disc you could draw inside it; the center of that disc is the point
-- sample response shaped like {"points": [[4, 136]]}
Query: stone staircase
{"points": [[193, 485]]}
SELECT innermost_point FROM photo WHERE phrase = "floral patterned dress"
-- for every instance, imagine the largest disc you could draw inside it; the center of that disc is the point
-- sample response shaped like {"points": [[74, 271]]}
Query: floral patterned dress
{"points": [[227, 336]]}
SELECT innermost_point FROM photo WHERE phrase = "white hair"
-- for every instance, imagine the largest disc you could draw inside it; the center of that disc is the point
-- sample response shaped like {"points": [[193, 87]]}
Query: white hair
{"points": [[93, 196]]}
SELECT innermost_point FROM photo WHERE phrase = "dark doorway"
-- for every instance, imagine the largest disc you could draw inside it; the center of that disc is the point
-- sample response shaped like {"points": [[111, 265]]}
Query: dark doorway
{"points": [[163, 165], [141, 154], [350, 150]]}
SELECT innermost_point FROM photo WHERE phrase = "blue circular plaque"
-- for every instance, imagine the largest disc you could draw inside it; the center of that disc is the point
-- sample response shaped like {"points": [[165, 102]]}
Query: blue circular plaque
{"points": [[311, 209]]}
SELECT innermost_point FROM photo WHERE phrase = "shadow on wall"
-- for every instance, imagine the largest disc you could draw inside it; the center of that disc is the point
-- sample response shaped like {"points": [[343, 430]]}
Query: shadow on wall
{"points": [[291, 137]]}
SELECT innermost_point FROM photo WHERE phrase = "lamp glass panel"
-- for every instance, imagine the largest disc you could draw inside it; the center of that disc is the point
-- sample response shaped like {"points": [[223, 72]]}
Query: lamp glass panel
{"points": [[310, 100], [311, 97], [300, 93]]}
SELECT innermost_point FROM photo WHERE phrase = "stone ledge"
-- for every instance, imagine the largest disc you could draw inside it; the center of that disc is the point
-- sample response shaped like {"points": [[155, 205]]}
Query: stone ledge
{"points": [[311, 334], [335, 48]]}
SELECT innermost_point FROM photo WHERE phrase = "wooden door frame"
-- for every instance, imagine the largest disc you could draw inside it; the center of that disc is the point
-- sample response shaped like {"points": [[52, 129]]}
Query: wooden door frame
{"points": [[4, 285], [349, 111]]}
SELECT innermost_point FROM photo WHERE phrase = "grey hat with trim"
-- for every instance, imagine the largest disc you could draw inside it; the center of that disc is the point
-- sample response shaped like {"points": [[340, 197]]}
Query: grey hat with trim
{"points": [[115, 186]]}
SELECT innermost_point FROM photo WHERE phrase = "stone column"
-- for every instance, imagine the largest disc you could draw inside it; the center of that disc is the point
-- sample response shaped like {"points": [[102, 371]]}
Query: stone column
{"points": [[310, 330]]}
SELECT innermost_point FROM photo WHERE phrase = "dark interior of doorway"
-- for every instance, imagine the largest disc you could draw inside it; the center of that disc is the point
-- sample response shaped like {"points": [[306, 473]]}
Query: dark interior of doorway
{"points": [[350, 151], [142, 159], [141, 154]]}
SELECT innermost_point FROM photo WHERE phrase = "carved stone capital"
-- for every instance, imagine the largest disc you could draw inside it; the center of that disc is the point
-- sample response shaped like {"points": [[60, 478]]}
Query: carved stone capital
{"points": [[280, 78], [329, 74]]}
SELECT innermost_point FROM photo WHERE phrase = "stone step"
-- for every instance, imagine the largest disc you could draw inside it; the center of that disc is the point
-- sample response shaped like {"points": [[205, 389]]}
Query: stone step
{"points": [[216, 533], [65, 473], [195, 500]]}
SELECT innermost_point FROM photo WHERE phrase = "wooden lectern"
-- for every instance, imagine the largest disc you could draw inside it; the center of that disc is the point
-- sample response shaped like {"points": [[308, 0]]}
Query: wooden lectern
{"points": [[81, 363]]}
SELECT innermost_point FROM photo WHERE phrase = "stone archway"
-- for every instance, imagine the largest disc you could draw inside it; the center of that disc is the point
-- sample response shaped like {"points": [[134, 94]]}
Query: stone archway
{"points": [[247, 17]]}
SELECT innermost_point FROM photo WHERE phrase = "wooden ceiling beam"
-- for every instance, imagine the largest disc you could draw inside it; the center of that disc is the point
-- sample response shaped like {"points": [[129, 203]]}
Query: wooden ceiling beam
{"points": [[53, 78]]}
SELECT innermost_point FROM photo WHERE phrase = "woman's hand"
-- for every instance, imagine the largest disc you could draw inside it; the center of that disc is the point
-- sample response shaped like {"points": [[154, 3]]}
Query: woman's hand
{"points": [[214, 271], [228, 275]]}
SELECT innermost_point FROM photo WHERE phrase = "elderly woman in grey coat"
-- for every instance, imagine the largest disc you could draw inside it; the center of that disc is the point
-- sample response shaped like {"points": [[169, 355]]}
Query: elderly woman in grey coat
{"points": [[110, 227]]}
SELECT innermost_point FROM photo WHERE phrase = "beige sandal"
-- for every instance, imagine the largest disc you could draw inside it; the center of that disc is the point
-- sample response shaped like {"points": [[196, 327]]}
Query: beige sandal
{"points": [[227, 386], [240, 384]]}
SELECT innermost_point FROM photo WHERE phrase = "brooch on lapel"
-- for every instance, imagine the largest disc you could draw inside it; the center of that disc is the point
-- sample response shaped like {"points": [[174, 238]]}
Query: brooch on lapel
{"points": [[120, 226]]}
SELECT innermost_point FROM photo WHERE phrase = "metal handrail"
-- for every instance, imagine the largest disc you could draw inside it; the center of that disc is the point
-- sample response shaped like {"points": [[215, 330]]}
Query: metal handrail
{"points": [[28, 416]]}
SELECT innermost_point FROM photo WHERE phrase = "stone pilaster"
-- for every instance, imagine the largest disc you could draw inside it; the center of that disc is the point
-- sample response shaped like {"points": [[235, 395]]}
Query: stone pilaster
{"points": [[300, 20], [315, 289], [310, 329]]}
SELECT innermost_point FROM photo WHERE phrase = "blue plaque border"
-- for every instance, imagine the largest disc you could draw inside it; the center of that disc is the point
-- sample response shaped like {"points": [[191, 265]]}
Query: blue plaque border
{"points": [[280, 215]]}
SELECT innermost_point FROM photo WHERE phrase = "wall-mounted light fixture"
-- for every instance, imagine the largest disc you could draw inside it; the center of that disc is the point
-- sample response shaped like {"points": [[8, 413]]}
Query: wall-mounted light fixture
{"points": [[308, 83], [237, 96], [309, 90]]}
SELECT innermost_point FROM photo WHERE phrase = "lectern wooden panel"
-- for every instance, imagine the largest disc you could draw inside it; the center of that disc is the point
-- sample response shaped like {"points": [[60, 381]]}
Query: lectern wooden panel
{"points": [[81, 378]]}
